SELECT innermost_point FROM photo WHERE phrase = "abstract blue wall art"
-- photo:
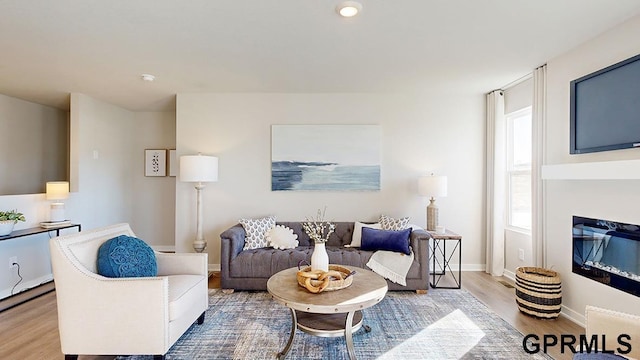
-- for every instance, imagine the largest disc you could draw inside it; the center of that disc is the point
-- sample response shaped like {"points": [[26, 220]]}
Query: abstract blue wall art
{"points": [[325, 157]]}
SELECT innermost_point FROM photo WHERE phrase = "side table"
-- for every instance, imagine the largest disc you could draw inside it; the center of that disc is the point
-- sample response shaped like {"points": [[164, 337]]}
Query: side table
{"points": [[441, 256]]}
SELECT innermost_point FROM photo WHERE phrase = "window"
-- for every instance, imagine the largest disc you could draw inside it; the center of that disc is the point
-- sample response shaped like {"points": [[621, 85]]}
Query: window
{"points": [[519, 169]]}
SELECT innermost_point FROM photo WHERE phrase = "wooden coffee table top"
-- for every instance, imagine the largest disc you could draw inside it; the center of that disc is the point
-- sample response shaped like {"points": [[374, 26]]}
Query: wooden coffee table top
{"points": [[367, 289]]}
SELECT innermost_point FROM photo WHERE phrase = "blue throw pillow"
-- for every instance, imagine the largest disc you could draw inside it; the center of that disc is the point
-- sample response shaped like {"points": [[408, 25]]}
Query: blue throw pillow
{"points": [[126, 256], [390, 240]]}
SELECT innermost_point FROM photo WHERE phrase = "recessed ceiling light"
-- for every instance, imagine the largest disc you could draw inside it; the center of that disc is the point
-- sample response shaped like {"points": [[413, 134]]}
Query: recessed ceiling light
{"points": [[147, 77], [349, 8]]}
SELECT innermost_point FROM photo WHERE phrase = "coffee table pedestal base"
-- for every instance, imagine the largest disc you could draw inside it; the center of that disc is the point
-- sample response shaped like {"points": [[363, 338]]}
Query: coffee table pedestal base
{"points": [[325, 325]]}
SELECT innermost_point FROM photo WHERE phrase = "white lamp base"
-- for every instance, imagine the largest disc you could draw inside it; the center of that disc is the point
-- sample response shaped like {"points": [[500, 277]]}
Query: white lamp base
{"points": [[432, 215], [57, 212], [199, 244]]}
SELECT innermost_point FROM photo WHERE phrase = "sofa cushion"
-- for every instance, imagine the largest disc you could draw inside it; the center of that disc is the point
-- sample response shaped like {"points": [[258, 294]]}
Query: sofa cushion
{"points": [[182, 292], [356, 240], [389, 223], [126, 256], [390, 240], [281, 237], [255, 230]]}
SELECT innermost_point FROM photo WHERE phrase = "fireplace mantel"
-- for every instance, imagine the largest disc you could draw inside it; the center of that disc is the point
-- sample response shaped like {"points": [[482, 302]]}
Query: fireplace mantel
{"points": [[604, 170]]}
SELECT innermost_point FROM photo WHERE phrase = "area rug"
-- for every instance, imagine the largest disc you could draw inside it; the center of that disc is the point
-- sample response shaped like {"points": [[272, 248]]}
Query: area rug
{"points": [[443, 324]]}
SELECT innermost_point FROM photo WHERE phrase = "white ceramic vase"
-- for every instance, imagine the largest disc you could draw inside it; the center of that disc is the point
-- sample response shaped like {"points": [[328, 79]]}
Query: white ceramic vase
{"points": [[6, 227], [320, 258]]}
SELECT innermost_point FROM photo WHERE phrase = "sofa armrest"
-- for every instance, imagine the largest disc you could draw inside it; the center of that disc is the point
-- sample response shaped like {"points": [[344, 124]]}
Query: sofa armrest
{"points": [[232, 241], [420, 243], [182, 264]]}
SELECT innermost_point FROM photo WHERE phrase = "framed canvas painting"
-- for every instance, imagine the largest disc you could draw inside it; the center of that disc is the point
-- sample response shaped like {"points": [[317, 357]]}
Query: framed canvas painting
{"points": [[325, 157]]}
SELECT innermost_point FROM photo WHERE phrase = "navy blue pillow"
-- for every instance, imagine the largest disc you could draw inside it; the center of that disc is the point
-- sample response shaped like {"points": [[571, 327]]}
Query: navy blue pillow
{"points": [[390, 240], [126, 256]]}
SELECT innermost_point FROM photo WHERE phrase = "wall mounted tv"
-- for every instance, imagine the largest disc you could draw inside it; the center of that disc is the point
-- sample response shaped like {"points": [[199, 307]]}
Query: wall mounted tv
{"points": [[605, 109]]}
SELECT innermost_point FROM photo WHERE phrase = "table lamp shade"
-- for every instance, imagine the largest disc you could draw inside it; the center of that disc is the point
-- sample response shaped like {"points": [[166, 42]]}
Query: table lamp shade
{"points": [[198, 168], [434, 186], [57, 190]]}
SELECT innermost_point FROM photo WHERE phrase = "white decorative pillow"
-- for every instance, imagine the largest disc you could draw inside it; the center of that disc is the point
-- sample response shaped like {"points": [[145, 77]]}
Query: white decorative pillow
{"points": [[389, 223], [356, 238], [256, 229], [281, 237]]}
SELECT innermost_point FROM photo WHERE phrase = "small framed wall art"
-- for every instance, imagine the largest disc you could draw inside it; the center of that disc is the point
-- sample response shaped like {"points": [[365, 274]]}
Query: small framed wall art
{"points": [[155, 162]]}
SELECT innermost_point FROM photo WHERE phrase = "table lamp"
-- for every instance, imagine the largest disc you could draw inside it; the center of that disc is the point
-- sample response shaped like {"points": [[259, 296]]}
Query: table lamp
{"points": [[199, 169], [432, 186], [57, 190]]}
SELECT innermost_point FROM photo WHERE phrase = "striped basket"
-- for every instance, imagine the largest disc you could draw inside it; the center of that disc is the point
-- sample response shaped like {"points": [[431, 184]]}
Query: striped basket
{"points": [[538, 292]]}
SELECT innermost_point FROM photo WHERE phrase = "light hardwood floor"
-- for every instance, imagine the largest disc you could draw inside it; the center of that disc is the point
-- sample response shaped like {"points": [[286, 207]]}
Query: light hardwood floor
{"points": [[30, 330]]}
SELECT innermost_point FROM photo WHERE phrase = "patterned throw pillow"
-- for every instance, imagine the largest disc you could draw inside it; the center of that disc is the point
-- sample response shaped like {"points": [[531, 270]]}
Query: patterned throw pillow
{"points": [[256, 229], [126, 256], [281, 237], [389, 223]]}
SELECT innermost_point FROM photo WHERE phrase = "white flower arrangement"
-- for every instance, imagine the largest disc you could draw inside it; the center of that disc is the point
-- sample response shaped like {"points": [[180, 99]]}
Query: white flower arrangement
{"points": [[318, 229]]}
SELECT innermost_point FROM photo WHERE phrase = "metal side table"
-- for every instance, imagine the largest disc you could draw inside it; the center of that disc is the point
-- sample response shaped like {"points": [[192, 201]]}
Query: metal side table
{"points": [[440, 257]]}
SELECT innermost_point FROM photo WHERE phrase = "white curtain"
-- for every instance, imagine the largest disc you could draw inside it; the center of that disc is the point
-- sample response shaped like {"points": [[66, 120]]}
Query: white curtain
{"points": [[496, 177], [539, 112]]}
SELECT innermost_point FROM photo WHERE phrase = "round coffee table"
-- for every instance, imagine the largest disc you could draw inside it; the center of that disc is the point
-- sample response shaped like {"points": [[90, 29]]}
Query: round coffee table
{"points": [[328, 313]]}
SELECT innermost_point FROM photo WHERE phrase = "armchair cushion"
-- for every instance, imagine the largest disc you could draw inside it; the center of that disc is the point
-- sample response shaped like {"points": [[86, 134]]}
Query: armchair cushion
{"points": [[126, 256]]}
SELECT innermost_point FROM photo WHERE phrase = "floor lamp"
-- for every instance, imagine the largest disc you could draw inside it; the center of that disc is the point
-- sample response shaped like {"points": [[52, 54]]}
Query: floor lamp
{"points": [[199, 169], [432, 186]]}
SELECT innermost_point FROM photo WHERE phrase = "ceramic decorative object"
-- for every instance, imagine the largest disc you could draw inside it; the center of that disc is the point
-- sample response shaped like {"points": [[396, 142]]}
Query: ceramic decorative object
{"points": [[8, 219], [319, 231], [6, 227], [320, 258]]}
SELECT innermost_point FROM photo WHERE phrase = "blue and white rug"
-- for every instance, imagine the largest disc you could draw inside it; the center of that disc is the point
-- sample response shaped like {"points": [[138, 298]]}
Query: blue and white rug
{"points": [[443, 324]]}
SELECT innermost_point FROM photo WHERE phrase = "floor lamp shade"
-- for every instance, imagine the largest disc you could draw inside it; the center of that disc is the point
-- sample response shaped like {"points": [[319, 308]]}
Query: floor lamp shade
{"points": [[199, 169], [432, 186], [57, 190]]}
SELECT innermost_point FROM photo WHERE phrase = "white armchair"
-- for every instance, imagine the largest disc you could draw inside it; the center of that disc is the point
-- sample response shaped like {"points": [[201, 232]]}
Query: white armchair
{"points": [[607, 325], [123, 316]]}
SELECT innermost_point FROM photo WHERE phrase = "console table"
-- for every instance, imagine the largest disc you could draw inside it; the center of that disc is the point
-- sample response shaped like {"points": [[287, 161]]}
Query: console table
{"points": [[38, 230], [34, 292], [439, 255]]}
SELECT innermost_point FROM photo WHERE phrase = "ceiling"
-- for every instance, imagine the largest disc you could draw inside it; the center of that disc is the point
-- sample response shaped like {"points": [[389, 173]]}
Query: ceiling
{"points": [[100, 48]]}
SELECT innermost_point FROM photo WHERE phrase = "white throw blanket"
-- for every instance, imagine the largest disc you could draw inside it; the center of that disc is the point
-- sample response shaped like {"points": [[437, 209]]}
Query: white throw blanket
{"points": [[391, 265]]}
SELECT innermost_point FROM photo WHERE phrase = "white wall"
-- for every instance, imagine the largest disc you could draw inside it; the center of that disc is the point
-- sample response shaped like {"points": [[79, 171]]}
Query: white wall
{"points": [[112, 187], [154, 200], [34, 148], [609, 199], [443, 133], [106, 190]]}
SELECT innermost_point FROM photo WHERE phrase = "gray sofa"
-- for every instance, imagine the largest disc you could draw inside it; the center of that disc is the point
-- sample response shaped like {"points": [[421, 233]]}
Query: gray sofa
{"points": [[250, 269]]}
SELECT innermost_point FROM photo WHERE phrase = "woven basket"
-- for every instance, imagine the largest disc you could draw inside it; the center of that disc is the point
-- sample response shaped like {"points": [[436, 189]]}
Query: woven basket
{"points": [[538, 292], [333, 284]]}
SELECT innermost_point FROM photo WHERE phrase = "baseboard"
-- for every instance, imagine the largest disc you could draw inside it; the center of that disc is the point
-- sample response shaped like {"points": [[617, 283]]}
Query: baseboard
{"points": [[23, 297], [214, 267], [473, 267], [572, 315], [509, 275]]}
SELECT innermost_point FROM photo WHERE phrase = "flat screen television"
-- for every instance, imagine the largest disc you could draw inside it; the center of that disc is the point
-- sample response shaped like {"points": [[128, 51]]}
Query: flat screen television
{"points": [[605, 109]]}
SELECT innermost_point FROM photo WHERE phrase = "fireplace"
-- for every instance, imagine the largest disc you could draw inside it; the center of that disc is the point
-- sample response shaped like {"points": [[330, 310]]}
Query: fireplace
{"points": [[607, 252]]}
